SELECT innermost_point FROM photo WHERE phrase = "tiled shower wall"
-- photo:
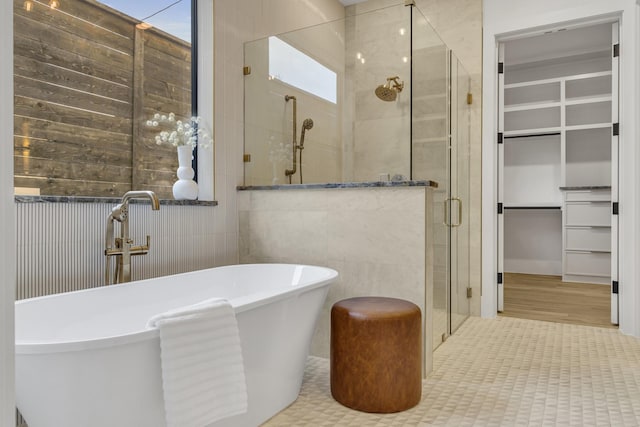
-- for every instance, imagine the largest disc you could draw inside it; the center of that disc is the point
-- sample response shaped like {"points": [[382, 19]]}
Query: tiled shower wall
{"points": [[61, 245], [377, 136], [268, 117]]}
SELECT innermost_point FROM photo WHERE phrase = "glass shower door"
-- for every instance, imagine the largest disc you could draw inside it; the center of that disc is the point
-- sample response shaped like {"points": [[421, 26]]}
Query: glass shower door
{"points": [[459, 194], [440, 152], [430, 152]]}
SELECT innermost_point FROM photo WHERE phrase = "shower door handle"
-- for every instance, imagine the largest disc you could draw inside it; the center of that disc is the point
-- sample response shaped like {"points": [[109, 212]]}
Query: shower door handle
{"points": [[447, 203], [459, 223]]}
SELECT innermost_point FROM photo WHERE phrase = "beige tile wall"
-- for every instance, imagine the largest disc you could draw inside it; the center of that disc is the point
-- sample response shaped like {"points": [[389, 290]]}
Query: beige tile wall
{"points": [[377, 133], [378, 239]]}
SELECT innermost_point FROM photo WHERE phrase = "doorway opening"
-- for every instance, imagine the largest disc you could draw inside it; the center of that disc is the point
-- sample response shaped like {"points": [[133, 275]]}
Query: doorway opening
{"points": [[558, 175]]}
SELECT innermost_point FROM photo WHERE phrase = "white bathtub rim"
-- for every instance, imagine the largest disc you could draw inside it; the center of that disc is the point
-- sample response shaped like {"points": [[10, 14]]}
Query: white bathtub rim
{"points": [[239, 304]]}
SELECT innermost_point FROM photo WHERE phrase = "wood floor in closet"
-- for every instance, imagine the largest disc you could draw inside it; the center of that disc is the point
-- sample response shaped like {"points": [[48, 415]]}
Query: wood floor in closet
{"points": [[539, 297]]}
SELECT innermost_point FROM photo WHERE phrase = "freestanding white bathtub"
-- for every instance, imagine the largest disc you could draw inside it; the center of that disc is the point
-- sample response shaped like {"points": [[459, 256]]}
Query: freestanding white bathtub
{"points": [[87, 359]]}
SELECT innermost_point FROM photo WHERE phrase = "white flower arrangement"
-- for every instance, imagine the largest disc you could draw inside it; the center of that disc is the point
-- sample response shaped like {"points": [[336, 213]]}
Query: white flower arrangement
{"points": [[189, 132]]}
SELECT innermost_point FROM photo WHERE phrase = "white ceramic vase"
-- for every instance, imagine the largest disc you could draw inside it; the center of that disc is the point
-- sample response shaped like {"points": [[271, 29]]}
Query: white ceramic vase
{"points": [[185, 188]]}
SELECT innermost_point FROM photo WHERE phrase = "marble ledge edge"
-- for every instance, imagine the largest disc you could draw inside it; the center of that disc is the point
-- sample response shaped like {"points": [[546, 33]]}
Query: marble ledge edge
{"points": [[372, 184], [108, 200], [586, 187]]}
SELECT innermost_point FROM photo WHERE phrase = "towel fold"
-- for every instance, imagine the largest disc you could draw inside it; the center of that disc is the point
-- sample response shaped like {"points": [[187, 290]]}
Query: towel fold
{"points": [[202, 369]]}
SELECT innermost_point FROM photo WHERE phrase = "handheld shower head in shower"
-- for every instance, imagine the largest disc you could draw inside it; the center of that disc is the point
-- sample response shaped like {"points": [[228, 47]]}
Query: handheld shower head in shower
{"points": [[388, 92], [306, 125]]}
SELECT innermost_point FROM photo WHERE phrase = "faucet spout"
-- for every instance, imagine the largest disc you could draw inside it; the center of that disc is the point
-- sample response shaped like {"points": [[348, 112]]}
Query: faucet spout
{"points": [[123, 247], [155, 203]]}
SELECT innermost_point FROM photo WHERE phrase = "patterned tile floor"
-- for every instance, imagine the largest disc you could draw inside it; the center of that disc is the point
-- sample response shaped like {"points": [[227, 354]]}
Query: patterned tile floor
{"points": [[502, 372]]}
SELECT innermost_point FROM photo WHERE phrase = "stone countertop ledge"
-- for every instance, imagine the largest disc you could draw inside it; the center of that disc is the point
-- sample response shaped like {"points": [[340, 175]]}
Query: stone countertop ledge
{"points": [[586, 187], [372, 184], [108, 200]]}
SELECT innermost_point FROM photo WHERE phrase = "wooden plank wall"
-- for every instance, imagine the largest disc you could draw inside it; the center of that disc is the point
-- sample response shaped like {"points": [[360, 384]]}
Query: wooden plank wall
{"points": [[79, 116], [166, 67]]}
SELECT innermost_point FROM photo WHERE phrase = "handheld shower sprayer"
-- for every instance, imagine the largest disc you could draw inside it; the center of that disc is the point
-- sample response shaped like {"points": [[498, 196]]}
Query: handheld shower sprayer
{"points": [[306, 125]]}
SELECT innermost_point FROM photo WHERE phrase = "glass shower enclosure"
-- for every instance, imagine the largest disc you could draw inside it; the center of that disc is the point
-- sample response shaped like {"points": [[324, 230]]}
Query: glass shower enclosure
{"points": [[376, 96]]}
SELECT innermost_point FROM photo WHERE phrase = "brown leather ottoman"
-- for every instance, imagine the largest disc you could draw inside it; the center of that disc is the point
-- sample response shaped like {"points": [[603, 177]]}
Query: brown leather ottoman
{"points": [[376, 354]]}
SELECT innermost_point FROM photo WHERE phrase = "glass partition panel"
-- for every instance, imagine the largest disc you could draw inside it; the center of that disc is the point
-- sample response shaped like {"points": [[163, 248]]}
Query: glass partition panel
{"points": [[460, 175], [297, 75], [360, 134], [430, 152], [379, 112]]}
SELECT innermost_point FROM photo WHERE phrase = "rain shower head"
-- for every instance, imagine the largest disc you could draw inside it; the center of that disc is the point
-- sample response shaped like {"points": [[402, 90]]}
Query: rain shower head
{"points": [[389, 91], [386, 93]]}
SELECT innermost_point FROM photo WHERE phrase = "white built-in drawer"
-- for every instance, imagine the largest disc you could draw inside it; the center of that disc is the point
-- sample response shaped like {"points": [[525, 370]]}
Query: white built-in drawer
{"points": [[588, 213], [588, 195], [588, 263], [588, 239]]}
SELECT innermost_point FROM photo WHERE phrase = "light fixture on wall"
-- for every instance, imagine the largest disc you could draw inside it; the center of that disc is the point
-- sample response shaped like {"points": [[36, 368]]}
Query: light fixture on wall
{"points": [[54, 4], [28, 5]]}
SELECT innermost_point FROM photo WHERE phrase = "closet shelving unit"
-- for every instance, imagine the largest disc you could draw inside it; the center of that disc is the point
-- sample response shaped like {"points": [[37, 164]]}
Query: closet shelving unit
{"points": [[576, 110], [558, 161]]}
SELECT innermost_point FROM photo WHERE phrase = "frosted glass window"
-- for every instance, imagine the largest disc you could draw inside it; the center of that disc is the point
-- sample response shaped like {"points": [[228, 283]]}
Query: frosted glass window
{"points": [[289, 65]]}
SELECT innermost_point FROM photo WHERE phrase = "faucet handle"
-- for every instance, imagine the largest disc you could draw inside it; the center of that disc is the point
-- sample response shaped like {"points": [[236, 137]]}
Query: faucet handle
{"points": [[141, 249]]}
